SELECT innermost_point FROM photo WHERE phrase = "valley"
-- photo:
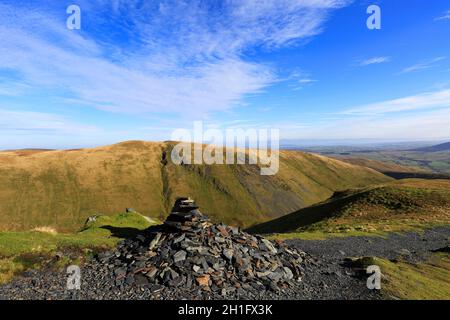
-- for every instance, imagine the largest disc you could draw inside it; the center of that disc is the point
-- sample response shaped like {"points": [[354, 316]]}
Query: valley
{"points": [[399, 158]]}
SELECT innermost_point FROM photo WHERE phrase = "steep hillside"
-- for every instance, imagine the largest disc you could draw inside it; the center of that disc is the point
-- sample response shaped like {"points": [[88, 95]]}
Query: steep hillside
{"points": [[61, 189], [411, 201]]}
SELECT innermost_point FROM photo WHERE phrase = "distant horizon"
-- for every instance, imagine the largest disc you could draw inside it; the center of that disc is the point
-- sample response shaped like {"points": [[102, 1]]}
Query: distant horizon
{"points": [[284, 144]]}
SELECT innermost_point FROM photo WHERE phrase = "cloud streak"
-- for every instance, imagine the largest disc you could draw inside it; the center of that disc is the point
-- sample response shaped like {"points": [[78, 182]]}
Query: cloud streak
{"points": [[445, 16], [374, 60], [27, 122], [422, 65], [390, 119], [429, 100]]}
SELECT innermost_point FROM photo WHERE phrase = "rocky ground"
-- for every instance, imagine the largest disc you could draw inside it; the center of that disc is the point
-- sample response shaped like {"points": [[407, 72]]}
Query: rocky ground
{"points": [[339, 281], [190, 258]]}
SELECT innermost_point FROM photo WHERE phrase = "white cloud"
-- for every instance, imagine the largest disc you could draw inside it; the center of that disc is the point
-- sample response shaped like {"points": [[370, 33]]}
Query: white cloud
{"points": [[446, 16], [429, 100], [389, 119], [180, 58], [374, 60], [12, 121], [434, 124], [422, 125], [422, 65], [306, 81], [300, 79]]}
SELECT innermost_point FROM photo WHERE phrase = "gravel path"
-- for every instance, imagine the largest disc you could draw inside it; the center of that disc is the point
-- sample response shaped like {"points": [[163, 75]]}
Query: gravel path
{"points": [[325, 276], [340, 282]]}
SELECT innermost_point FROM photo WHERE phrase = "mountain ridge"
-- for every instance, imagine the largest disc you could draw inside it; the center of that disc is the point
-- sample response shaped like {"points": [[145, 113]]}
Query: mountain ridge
{"points": [[436, 148]]}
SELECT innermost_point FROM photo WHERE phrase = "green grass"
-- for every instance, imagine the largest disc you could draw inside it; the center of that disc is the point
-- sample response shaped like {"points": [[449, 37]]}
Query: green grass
{"points": [[24, 250], [428, 280], [413, 281], [352, 231], [409, 205]]}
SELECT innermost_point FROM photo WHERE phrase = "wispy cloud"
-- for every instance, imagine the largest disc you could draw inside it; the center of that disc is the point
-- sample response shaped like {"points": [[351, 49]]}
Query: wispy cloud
{"points": [[306, 81], [179, 56], [390, 119], [374, 60], [422, 65], [300, 79], [430, 124], [429, 100], [445, 16], [27, 122]]}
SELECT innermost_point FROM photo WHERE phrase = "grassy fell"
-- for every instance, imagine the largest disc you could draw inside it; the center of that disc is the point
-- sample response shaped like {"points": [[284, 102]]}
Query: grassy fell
{"points": [[397, 206], [427, 280], [34, 249]]}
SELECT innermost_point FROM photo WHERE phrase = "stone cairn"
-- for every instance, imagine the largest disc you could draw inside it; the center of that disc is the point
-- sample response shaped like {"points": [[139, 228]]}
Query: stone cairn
{"points": [[190, 252]]}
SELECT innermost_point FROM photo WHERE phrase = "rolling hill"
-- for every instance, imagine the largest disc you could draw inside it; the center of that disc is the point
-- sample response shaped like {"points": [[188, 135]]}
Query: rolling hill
{"points": [[395, 159], [436, 148], [60, 189], [382, 166], [409, 201], [396, 171]]}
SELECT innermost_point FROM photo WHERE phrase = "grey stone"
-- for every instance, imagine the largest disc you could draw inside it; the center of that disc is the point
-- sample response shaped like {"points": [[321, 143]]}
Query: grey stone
{"points": [[179, 256], [228, 253], [288, 275], [152, 273], [129, 280], [262, 274], [120, 272], [141, 280], [154, 242], [180, 238], [269, 246]]}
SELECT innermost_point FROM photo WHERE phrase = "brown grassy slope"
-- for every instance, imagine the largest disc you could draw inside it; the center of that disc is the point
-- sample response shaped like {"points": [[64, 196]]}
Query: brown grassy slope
{"points": [[382, 166], [396, 171], [394, 205], [61, 188]]}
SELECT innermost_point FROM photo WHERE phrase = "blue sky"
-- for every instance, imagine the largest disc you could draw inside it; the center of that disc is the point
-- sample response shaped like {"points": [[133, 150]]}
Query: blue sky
{"points": [[141, 69]]}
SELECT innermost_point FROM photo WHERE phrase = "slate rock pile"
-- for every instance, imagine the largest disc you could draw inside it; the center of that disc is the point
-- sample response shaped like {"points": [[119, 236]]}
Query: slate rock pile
{"points": [[190, 252]]}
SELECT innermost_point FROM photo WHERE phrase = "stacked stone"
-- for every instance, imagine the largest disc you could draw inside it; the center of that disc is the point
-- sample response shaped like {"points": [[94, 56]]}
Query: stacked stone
{"points": [[186, 217], [189, 251]]}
